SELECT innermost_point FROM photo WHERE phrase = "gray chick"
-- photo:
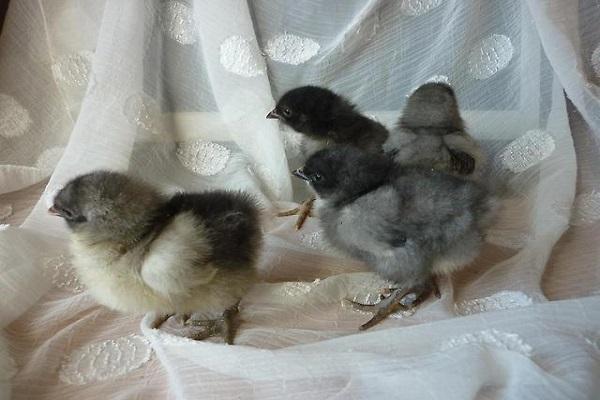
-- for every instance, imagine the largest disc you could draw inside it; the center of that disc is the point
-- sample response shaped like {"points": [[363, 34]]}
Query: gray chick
{"points": [[137, 251], [324, 119], [407, 223], [430, 133]]}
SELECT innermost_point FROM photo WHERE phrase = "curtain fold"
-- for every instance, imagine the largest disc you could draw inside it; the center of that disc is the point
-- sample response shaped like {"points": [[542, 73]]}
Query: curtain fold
{"points": [[176, 92]]}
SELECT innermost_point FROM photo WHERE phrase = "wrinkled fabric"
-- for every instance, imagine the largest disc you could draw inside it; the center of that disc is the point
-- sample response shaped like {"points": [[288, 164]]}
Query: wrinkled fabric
{"points": [[176, 92]]}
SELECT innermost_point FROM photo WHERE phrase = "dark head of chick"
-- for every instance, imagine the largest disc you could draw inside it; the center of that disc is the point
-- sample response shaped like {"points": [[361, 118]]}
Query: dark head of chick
{"points": [[311, 110], [327, 117], [344, 172], [432, 107], [106, 206]]}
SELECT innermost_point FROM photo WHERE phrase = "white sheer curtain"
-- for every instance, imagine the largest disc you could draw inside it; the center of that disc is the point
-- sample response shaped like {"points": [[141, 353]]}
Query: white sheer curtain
{"points": [[176, 92]]}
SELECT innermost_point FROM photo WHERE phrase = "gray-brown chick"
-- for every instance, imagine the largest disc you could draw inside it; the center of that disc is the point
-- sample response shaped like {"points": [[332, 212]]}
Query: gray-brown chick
{"points": [[324, 119], [137, 251], [431, 134]]}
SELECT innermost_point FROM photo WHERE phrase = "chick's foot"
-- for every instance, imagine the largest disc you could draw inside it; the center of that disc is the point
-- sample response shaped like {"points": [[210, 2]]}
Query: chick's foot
{"points": [[195, 328], [303, 212], [398, 299]]}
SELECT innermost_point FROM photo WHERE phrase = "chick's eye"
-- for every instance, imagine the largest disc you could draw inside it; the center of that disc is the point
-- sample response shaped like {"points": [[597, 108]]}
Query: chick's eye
{"points": [[67, 213], [317, 177], [286, 112]]}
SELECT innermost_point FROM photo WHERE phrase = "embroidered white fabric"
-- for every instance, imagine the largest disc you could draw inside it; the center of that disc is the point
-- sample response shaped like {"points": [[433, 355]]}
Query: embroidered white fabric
{"points": [[176, 92], [105, 360], [503, 300]]}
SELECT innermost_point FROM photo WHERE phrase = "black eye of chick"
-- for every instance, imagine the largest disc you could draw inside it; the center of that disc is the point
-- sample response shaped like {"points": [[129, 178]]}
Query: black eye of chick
{"points": [[317, 177], [286, 112]]}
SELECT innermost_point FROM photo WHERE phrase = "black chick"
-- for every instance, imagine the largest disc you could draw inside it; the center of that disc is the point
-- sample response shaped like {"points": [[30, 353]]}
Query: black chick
{"points": [[325, 118], [407, 223]]}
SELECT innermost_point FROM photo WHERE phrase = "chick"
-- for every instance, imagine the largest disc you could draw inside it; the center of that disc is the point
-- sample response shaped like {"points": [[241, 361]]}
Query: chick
{"points": [[407, 223], [137, 251], [430, 133], [325, 119]]}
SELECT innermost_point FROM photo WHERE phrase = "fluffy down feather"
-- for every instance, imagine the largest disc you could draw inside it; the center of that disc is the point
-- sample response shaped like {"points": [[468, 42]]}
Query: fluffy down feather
{"points": [[407, 223], [138, 252]]}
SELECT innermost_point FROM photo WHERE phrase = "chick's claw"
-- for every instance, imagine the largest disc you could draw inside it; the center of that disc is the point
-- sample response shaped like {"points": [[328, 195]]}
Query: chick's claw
{"points": [[419, 293], [303, 212], [386, 291], [195, 328], [179, 325], [398, 299], [384, 308], [293, 211], [362, 307]]}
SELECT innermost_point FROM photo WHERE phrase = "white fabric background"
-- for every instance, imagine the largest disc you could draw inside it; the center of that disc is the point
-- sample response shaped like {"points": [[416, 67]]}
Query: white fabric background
{"points": [[176, 92]]}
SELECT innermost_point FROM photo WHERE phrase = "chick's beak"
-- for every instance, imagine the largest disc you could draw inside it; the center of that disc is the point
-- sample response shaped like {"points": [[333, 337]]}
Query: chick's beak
{"points": [[273, 115], [53, 211], [300, 174]]}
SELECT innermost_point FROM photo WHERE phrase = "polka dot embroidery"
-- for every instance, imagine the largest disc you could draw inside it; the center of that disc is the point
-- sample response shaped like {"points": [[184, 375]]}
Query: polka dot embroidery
{"points": [[295, 289], [491, 55], [490, 337], [143, 111], [202, 157], [503, 300], [105, 360], [177, 22], [291, 49], [63, 276], [418, 7], [527, 151], [14, 119], [74, 69], [240, 57]]}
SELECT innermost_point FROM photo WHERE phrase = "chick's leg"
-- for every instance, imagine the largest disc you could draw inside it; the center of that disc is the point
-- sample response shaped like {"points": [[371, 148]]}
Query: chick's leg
{"points": [[399, 299], [224, 327], [230, 324], [303, 212], [179, 325]]}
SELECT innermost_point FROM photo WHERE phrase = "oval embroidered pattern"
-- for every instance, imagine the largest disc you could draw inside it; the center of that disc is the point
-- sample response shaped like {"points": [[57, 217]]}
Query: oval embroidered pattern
{"points": [[490, 337], [527, 151], [291, 49], [418, 7], [177, 22], [503, 300], [238, 56], [202, 157], [14, 118], [105, 360], [490, 56]]}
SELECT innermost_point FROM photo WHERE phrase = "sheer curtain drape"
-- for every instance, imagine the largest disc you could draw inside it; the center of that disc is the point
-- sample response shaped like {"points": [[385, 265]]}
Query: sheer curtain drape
{"points": [[176, 92]]}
